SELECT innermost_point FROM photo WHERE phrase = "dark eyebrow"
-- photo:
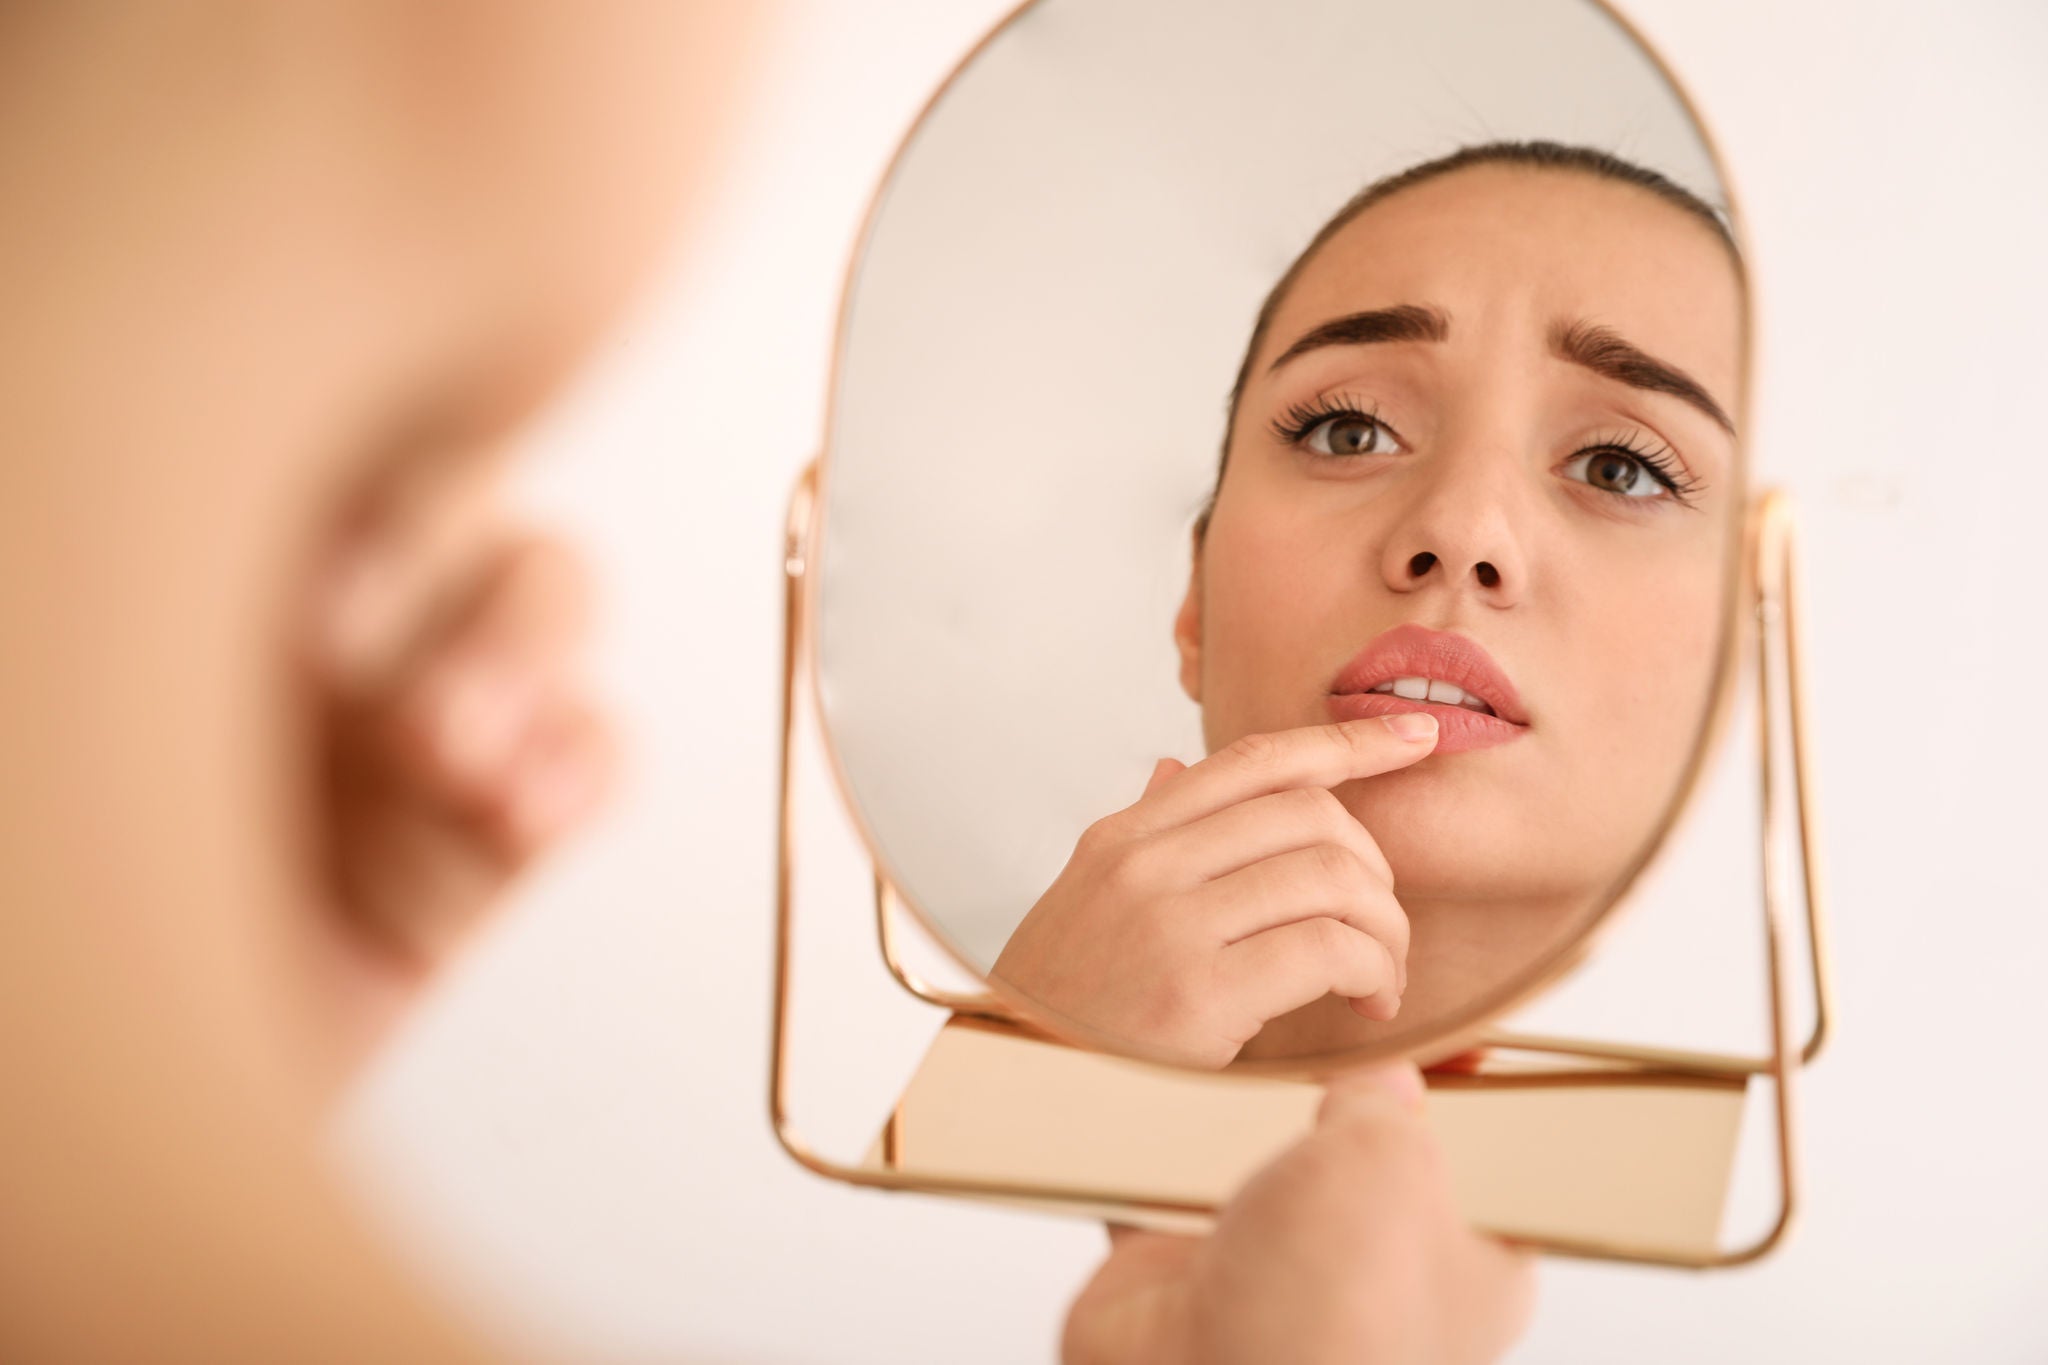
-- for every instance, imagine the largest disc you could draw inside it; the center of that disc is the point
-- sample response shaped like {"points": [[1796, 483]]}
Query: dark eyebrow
{"points": [[1403, 322], [1605, 352]]}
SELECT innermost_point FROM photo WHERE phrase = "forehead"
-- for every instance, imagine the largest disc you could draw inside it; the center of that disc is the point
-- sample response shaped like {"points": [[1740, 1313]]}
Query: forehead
{"points": [[1509, 250]]}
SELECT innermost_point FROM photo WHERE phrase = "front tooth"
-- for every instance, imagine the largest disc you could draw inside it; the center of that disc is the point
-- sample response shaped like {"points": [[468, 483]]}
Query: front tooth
{"points": [[1450, 694], [1383, 687], [1413, 689]]}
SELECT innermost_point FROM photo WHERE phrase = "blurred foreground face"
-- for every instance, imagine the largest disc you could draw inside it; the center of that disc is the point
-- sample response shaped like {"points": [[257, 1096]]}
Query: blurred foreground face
{"points": [[544, 151], [481, 179], [282, 279]]}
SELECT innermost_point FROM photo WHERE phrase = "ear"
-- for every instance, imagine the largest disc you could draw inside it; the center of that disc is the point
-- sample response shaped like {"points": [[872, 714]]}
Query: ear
{"points": [[1187, 627]]}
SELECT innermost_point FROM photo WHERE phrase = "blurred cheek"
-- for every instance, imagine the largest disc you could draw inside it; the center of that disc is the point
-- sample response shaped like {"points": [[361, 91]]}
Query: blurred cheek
{"points": [[562, 147]]}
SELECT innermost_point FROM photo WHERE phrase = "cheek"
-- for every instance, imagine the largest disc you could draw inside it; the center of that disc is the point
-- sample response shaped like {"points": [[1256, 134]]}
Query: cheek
{"points": [[1642, 653], [1279, 593]]}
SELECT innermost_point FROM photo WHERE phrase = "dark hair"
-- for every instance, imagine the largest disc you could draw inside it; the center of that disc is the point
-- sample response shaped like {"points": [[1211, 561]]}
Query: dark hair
{"points": [[1543, 155]]}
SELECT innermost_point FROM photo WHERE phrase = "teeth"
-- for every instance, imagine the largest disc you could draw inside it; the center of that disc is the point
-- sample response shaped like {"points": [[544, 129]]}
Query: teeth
{"points": [[1432, 689]]}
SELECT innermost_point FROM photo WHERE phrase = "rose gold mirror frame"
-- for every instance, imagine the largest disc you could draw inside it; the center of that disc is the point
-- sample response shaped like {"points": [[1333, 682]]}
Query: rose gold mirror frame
{"points": [[1762, 580], [1773, 612]]}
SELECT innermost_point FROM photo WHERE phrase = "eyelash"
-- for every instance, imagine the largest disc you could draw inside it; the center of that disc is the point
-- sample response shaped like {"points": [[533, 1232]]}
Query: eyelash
{"points": [[1294, 425], [1662, 463]]}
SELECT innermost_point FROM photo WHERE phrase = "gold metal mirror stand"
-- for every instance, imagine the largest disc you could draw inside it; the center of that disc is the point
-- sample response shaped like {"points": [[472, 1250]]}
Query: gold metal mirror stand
{"points": [[1774, 602]]}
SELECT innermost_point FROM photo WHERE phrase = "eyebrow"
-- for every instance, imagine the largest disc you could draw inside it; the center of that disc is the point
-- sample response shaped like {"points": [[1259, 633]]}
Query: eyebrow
{"points": [[1606, 353], [1599, 349], [1403, 322]]}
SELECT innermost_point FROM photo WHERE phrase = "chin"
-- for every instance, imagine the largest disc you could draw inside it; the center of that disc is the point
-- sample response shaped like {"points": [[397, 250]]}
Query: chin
{"points": [[1447, 841]]}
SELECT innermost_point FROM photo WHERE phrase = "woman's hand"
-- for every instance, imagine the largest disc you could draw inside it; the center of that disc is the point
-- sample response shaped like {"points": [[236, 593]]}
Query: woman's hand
{"points": [[1347, 1248], [1230, 893]]}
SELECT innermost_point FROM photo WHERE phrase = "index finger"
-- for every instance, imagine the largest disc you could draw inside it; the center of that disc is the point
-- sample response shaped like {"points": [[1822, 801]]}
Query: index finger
{"points": [[1312, 756]]}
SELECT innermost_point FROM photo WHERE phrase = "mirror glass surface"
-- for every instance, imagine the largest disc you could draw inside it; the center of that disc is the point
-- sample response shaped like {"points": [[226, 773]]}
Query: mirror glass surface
{"points": [[1120, 469]]}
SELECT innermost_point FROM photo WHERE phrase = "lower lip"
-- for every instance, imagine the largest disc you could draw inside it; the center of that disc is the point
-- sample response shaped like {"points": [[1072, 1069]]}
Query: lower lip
{"points": [[1459, 729]]}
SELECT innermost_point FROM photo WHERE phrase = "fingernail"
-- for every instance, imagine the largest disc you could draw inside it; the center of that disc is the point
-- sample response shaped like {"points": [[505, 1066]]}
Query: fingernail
{"points": [[1413, 726]]}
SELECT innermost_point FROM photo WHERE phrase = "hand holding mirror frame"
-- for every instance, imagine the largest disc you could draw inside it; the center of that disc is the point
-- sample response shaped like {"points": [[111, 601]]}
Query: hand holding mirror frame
{"points": [[1347, 1247]]}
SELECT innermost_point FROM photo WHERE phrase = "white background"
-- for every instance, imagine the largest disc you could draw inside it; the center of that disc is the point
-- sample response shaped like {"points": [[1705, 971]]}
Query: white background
{"points": [[573, 1137]]}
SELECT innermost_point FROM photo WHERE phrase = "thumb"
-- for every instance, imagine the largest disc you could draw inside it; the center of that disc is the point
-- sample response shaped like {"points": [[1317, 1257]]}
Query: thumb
{"points": [[1368, 1094], [1136, 1306], [1161, 771]]}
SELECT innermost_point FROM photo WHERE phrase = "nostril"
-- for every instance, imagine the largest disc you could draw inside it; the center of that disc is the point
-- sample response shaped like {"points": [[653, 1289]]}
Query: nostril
{"points": [[1421, 564], [1489, 577]]}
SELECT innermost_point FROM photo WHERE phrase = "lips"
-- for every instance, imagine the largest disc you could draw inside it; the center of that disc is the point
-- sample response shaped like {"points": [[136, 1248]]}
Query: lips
{"points": [[1413, 668]]}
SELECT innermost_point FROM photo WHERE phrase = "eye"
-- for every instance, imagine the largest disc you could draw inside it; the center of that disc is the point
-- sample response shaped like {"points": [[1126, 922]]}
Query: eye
{"points": [[1350, 433], [1622, 472]]}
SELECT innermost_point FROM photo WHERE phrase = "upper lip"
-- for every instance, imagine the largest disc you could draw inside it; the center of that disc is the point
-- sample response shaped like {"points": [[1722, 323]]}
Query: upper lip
{"points": [[1413, 651]]}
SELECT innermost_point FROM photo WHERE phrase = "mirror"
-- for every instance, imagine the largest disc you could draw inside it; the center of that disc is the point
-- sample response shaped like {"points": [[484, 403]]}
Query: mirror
{"points": [[1212, 375]]}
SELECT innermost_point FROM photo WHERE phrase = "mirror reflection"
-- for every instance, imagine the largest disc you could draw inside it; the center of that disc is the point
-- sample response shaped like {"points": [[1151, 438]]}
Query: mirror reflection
{"points": [[1437, 602], [1446, 618]]}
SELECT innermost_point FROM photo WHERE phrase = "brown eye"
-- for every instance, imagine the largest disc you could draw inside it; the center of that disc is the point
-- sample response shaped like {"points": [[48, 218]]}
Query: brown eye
{"points": [[1351, 434], [1617, 472]]}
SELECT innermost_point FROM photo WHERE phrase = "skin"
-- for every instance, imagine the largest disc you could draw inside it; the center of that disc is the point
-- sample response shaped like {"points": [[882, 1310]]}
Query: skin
{"points": [[278, 295], [1302, 1266], [288, 700], [1469, 510]]}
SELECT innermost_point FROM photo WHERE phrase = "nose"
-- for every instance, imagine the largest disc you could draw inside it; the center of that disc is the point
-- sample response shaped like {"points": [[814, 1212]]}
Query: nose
{"points": [[1459, 535]]}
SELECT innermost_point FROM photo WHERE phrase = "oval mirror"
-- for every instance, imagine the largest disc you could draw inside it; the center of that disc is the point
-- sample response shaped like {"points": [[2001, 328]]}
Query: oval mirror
{"points": [[1242, 385]]}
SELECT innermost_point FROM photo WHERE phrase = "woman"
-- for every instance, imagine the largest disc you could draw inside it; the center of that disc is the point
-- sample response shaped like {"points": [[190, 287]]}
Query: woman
{"points": [[285, 701], [1451, 619]]}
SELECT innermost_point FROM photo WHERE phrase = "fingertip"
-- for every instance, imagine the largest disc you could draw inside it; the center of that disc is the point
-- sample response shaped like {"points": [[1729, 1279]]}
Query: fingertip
{"points": [[1366, 1092], [1381, 1006], [1414, 735], [1412, 727]]}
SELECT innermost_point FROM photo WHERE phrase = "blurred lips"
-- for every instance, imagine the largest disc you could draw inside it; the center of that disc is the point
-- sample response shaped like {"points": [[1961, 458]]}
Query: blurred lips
{"points": [[1413, 668]]}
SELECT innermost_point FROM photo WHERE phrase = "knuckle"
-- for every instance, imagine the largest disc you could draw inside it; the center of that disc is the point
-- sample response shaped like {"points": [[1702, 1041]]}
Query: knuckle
{"points": [[1132, 869], [1329, 937], [1336, 864], [1099, 839], [1400, 931], [1309, 807], [1362, 740], [1174, 1009], [1259, 752]]}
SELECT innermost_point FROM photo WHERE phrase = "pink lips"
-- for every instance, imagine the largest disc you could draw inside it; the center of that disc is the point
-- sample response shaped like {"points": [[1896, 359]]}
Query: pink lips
{"points": [[1417, 652]]}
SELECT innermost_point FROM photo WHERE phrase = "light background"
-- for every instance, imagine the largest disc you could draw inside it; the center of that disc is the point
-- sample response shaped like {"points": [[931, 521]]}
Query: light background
{"points": [[573, 1135]]}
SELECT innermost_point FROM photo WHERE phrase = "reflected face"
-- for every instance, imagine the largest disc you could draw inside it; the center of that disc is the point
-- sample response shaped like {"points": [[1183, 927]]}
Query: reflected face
{"points": [[1483, 454]]}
